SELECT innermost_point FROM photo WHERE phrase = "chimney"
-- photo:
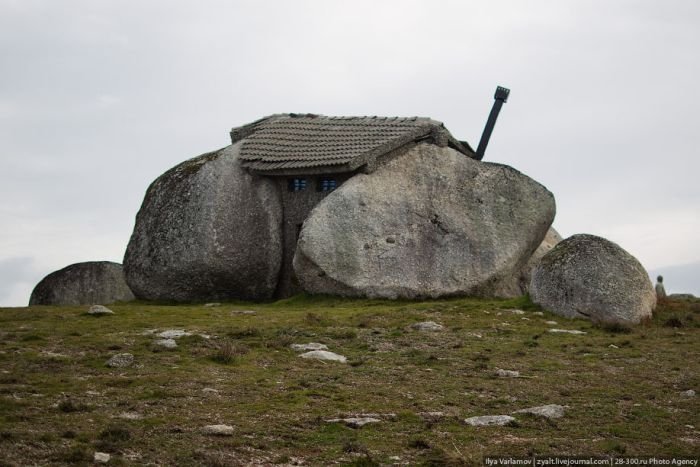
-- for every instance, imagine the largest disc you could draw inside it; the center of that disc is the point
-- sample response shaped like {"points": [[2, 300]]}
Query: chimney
{"points": [[500, 97]]}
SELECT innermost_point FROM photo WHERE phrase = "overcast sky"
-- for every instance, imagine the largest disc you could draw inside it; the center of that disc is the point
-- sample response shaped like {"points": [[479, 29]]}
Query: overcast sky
{"points": [[98, 98]]}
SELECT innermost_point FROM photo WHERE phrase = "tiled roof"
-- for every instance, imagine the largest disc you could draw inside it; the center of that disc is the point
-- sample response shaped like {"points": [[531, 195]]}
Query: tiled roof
{"points": [[303, 141]]}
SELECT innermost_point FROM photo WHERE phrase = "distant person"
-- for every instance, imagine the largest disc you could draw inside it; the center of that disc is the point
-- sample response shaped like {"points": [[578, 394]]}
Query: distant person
{"points": [[660, 290]]}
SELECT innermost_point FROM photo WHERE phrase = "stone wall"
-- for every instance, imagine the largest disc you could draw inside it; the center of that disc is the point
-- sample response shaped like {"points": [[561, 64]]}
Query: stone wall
{"points": [[296, 206]]}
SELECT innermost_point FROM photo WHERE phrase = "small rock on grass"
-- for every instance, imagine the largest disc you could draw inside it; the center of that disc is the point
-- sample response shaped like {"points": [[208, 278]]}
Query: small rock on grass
{"points": [[517, 312], [688, 393], [243, 312], [218, 430], [551, 323], [120, 360], [429, 326], [547, 411], [174, 334], [209, 305], [324, 355], [567, 331], [99, 310], [130, 416], [354, 422], [432, 416], [507, 373], [489, 420], [101, 457], [166, 343], [538, 313], [309, 346]]}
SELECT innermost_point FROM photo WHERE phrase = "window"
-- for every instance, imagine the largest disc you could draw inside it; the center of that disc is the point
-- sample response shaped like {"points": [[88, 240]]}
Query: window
{"points": [[297, 184], [327, 184]]}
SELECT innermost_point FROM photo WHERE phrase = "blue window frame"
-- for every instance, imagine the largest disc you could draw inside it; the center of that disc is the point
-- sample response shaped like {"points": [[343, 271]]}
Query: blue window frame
{"points": [[297, 184], [327, 184]]}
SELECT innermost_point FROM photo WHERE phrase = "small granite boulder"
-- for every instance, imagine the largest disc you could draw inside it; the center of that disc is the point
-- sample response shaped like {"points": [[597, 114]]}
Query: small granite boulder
{"points": [[120, 360], [546, 411], [427, 326], [166, 343], [101, 457], [308, 347], [94, 282], [489, 420], [218, 430], [324, 355], [590, 277], [354, 422], [99, 310]]}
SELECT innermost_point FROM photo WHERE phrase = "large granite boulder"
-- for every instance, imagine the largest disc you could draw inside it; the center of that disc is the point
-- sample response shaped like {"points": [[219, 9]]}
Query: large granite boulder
{"points": [[90, 283], [429, 223], [550, 241], [207, 230], [590, 277]]}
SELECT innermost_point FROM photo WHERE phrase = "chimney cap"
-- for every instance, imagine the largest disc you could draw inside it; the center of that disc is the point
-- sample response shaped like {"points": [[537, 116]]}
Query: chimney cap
{"points": [[501, 94]]}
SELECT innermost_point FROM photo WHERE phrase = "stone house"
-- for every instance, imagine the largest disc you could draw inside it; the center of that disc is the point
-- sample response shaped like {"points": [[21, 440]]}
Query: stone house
{"points": [[308, 156]]}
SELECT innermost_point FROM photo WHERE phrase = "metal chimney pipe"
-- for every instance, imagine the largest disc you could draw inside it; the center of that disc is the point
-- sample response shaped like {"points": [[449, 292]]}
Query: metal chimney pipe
{"points": [[500, 97]]}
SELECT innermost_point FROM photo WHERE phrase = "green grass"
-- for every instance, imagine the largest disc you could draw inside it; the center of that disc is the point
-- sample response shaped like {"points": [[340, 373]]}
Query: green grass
{"points": [[59, 403]]}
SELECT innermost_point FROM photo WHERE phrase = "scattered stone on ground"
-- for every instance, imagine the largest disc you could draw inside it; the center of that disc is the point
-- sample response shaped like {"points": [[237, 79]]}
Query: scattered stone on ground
{"points": [[354, 422], [547, 411], [218, 430], [130, 416], [551, 323], [210, 391], [101, 457], [324, 355], [566, 331], [517, 312], [243, 312], [309, 346], [389, 415], [99, 310], [428, 326], [507, 373], [432, 416], [613, 346], [120, 360], [166, 343], [174, 334], [489, 420], [538, 313], [688, 393], [589, 277], [50, 354], [213, 304], [475, 334]]}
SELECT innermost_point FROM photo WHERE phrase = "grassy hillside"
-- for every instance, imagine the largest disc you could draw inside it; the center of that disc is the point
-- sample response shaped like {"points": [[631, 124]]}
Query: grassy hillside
{"points": [[59, 403]]}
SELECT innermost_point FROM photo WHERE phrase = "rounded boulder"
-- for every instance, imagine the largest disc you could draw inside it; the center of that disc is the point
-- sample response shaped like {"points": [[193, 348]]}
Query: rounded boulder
{"points": [[586, 276], [429, 223], [89, 283], [207, 230]]}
